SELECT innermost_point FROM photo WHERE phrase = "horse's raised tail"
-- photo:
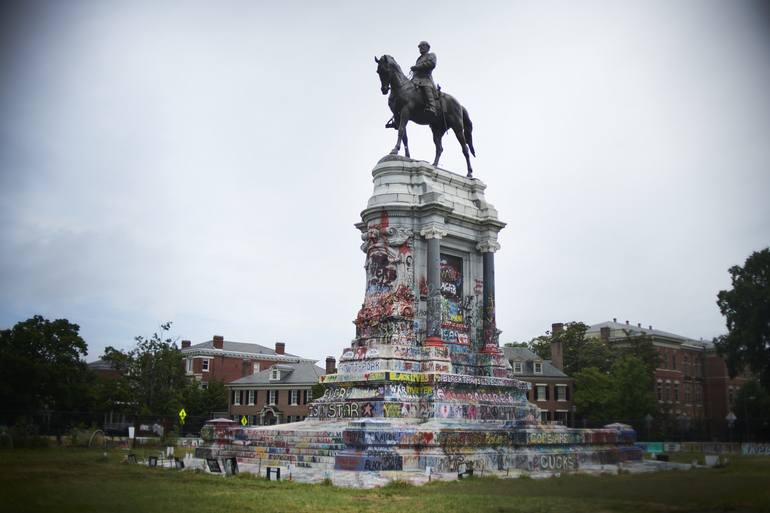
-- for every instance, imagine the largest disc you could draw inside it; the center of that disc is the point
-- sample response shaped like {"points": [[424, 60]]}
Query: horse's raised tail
{"points": [[467, 130]]}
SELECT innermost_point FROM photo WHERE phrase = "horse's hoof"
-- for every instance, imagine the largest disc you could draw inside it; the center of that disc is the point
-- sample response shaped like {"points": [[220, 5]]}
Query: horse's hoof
{"points": [[394, 152], [470, 174], [407, 155]]}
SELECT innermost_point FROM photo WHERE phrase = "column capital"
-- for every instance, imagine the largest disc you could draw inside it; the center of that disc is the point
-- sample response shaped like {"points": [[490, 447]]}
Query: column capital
{"points": [[488, 246], [433, 232]]}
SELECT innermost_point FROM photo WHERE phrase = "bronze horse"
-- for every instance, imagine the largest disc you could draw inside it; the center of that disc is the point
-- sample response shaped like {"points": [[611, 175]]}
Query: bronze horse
{"points": [[406, 103]]}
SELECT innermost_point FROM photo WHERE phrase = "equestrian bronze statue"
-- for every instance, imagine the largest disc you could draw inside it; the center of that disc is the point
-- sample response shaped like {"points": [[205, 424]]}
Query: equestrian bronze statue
{"points": [[420, 101]]}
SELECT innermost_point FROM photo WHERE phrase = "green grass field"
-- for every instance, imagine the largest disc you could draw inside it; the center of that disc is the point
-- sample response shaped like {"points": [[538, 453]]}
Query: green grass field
{"points": [[80, 480]]}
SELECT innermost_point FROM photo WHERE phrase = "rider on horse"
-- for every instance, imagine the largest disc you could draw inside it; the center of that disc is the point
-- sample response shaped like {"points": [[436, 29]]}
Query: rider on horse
{"points": [[422, 78]]}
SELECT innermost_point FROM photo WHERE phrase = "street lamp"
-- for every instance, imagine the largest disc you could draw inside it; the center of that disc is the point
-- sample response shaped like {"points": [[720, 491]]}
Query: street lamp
{"points": [[731, 418]]}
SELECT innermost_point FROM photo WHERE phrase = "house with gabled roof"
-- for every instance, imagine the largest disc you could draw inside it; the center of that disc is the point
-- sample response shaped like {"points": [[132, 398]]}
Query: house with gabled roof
{"points": [[550, 390], [276, 395]]}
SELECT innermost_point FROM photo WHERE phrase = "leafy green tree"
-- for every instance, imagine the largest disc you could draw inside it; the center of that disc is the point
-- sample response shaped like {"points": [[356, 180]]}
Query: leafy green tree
{"points": [[752, 407], [746, 308], [199, 401], [593, 395], [41, 366], [152, 374], [633, 395]]}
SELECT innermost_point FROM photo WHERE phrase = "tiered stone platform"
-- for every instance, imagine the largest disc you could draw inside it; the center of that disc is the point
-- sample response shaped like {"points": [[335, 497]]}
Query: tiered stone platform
{"points": [[424, 383]]}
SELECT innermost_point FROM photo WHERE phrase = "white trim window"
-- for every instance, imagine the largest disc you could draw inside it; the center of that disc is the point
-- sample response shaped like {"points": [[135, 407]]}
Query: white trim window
{"points": [[518, 368], [271, 397], [251, 397], [189, 365], [275, 375], [205, 365], [294, 398], [236, 397], [538, 367], [561, 393], [541, 393]]}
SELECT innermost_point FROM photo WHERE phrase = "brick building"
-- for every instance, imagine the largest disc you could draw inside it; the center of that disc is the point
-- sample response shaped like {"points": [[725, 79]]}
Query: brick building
{"points": [[276, 395], [222, 360], [691, 379], [551, 389]]}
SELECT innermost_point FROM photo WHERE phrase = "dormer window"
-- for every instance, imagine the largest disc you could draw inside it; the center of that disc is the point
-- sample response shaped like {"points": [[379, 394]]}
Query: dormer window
{"points": [[518, 368], [538, 368], [275, 375]]}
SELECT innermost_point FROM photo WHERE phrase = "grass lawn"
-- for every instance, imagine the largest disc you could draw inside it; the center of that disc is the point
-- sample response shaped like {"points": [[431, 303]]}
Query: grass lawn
{"points": [[80, 480]]}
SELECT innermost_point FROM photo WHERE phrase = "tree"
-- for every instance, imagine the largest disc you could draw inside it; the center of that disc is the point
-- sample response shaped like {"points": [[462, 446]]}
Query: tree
{"points": [[153, 377], [633, 396], [746, 308], [41, 367], [593, 394]]}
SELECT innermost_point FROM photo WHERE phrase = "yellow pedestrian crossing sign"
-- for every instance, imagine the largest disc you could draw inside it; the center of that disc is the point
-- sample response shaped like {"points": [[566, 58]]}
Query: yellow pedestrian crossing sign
{"points": [[182, 415], [244, 421]]}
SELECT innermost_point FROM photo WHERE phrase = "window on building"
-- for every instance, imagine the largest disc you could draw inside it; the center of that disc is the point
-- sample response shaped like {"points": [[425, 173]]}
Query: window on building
{"points": [[730, 396], [204, 385], [544, 415], [251, 397], [518, 367], [538, 367], [561, 393], [293, 397], [188, 365], [667, 392], [205, 365], [305, 396], [686, 365], [236, 397], [275, 374], [561, 416], [660, 391], [676, 392], [673, 361], [687, 393], [272, 397], [541, 392]]}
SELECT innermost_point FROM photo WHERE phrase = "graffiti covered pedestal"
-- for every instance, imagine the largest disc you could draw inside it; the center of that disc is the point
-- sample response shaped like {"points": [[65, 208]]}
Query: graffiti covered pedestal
{"points": [[424, 383]]}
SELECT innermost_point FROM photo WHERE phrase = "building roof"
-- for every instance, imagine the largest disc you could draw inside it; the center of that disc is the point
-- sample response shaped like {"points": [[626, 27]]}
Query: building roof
{"points": [[631, 330], [302, 373], [523, 354], [101, 365], [243, 349]]}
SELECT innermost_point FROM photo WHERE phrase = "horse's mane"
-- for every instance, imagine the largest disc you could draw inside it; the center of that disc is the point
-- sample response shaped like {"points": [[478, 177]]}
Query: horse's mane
{"points": [[393, 63]]}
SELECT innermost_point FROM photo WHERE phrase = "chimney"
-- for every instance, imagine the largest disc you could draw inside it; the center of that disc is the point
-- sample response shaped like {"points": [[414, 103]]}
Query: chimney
{"points": [[605, 333], [185, 344], [557, 327], [219, 342], [638, 324], [615, 319], [650, 327], [626, 322], [331, 365], [280, 348]]}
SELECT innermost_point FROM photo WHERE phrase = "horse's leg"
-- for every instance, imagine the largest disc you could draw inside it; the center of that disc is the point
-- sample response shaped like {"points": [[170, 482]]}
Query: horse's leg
{"points": [[406, 144], [401, 132], [438, 134], [458, 130]]}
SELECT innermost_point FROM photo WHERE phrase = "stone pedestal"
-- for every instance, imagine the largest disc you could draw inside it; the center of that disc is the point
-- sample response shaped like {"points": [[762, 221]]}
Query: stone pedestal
{"points": [[424, 382]]}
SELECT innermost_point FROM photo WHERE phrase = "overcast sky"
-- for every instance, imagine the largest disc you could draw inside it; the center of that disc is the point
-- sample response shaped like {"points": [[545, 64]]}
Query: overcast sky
{"points": [[204, 162]]}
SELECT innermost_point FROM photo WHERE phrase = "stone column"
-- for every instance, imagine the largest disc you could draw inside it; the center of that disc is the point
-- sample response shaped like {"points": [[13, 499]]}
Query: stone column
{"points": [[433, 236], [487, 249]]}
